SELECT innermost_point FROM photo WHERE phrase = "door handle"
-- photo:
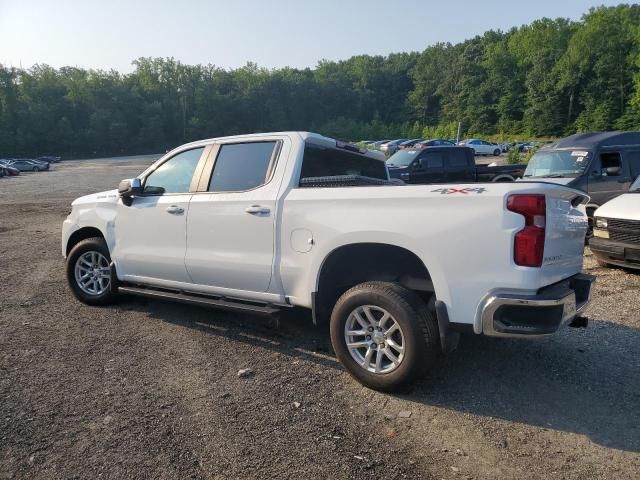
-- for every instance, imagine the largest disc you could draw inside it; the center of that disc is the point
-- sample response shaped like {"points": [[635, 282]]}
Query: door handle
{"points": [[175, 210], [257, 210]]}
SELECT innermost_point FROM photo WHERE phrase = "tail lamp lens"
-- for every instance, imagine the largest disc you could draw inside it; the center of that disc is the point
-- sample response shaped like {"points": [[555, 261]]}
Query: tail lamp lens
{"points": [[528, 248]]}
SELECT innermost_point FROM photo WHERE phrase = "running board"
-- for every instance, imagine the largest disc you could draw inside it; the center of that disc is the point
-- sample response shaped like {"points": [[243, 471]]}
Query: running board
{"points": [[204, 301]]}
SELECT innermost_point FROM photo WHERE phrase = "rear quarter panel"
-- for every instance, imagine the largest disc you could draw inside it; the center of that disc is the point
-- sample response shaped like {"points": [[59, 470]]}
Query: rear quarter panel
{"points": [[462, 233]]}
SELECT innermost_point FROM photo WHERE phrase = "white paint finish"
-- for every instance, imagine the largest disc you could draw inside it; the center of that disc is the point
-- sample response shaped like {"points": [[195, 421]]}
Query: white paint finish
{"points": [[301, 240], [228, 247], [150, 241], [461, 238], [565, 231], [230, 244], [625, 207], [464, 240]]}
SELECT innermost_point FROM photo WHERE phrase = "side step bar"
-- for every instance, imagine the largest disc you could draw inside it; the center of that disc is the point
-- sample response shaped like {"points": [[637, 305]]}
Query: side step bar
{"points": [[205, 301]]}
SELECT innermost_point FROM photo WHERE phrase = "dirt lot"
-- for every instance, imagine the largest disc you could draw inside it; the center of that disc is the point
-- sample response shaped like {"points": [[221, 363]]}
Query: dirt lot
{"points": [[150, 389]]}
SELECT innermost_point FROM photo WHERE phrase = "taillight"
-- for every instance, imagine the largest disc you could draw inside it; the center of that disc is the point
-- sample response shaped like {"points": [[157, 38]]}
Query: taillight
{"points": [[528, 248]]}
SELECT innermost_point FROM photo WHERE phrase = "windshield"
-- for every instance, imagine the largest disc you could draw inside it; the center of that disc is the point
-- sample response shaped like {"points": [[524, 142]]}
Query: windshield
{"points": [[557, 163], [635, 186], [403, 158]]}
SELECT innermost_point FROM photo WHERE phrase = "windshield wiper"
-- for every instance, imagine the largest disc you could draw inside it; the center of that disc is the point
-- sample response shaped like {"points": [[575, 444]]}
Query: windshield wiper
{"points": [[552, 175]]}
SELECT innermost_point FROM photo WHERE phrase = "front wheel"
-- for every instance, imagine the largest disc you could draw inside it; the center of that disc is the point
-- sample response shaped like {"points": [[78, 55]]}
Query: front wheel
{"points": [[384, 335], [496, 152], [89, 272], [36, 169]]}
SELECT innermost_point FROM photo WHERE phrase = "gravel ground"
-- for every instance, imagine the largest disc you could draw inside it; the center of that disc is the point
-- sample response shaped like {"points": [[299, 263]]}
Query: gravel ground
{"points": [[149, 389]]}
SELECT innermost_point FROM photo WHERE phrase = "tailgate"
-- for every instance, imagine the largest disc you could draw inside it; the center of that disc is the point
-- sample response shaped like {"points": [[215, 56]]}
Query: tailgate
{"points": [[566, 227]]}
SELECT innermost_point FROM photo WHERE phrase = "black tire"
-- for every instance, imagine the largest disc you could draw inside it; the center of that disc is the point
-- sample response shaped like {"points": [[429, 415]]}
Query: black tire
{"points": [[496, 152], [35, 169], [96, 244], [418, 325]]}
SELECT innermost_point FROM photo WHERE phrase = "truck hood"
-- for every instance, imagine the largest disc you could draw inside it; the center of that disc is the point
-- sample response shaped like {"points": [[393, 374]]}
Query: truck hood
{"points": [[109, 196], [625, 207]]}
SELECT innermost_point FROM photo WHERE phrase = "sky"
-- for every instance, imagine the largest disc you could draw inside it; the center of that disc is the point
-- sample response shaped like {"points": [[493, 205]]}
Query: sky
{"points": [[109, 34]]}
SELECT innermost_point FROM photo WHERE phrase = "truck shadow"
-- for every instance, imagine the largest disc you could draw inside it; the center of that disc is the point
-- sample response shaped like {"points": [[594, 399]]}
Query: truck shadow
{"points": [[584, 381], [580, 381]]}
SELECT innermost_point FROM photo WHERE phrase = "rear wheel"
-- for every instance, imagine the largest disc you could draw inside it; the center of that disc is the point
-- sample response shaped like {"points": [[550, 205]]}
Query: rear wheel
{"points": [[89, 272], [384, 335]]}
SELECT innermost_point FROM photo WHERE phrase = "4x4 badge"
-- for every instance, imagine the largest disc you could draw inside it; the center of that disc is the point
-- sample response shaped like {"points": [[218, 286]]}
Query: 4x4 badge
{"points": [[449, 191]]}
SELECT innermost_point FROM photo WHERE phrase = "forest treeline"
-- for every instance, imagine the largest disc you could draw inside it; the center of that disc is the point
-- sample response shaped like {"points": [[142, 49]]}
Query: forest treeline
{"points": [[548, 78]]}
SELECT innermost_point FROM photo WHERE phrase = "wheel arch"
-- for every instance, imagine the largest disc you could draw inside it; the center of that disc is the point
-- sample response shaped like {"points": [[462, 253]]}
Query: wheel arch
{"points": [[353, 263], [82, 234]]}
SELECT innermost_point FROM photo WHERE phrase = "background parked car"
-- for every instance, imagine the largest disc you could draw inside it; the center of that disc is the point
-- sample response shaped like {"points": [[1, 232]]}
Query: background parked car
{"points": [[482, 147], [616, 233], [392, 146], [434, 142], [447, 164], [8, 169], [29, 165], [379, 143], [410, 143], [602, 164], [48, 159]]}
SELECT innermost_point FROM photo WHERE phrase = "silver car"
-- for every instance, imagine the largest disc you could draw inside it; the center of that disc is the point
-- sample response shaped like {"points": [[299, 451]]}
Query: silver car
{"points": [[392, 146]]}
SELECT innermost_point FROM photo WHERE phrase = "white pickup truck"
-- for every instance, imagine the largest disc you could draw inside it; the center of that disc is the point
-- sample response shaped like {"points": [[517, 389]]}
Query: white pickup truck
{"points": [[261, 223]]}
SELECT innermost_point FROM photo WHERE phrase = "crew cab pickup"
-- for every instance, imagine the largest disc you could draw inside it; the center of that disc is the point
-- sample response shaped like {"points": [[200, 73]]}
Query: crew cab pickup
{"points": [[262, 223], [448, 164]]}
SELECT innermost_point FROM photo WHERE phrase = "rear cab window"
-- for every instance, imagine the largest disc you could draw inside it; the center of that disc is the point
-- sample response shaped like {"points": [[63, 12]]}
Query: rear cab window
{"points": [[321, 161]]}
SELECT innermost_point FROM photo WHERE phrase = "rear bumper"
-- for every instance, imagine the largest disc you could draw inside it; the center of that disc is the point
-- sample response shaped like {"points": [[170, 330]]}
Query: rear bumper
{"points": [[616, 253], [514, 315]]}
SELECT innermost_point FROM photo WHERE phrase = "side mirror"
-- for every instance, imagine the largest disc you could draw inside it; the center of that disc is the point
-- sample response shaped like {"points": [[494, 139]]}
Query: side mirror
{"points": [[613, 171], [128, 189]]}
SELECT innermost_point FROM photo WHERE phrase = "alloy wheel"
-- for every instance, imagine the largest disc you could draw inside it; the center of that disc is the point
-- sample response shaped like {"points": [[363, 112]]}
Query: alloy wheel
{"points": [[374, 339], [92, 273]]}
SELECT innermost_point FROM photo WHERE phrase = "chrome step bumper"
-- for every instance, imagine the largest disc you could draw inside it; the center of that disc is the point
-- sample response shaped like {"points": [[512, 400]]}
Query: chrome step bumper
{"points": [[513, 315]]}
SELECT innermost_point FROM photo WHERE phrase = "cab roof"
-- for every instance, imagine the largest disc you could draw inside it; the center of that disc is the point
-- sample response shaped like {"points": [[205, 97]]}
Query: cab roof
{"points": [[595, 140]]}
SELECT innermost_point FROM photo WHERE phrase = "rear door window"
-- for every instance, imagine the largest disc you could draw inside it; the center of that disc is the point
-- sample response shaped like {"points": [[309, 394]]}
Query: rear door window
{"points": [[242, 166]]}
